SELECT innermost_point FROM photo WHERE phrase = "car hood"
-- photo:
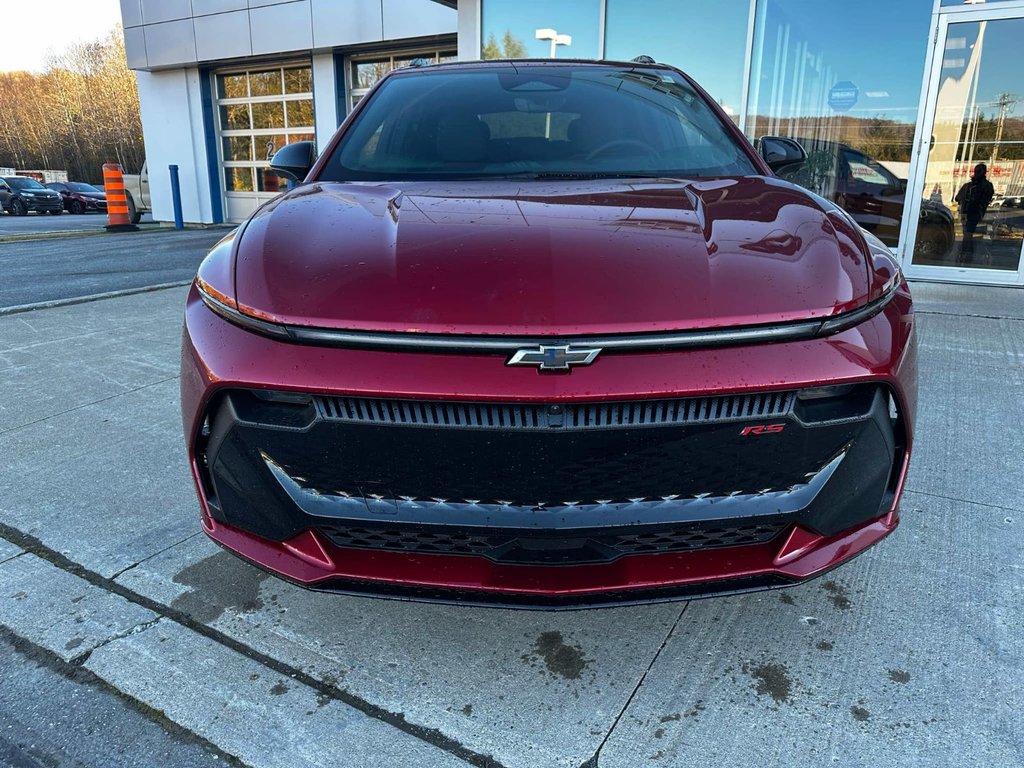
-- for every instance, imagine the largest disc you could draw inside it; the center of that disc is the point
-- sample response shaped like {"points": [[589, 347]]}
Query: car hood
{"points": [[549, 258]]}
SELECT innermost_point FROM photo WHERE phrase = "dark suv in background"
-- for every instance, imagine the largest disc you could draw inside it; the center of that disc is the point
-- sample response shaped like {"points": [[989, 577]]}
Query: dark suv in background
{"points": [[79, 197], [869, 192], [20, 194]]}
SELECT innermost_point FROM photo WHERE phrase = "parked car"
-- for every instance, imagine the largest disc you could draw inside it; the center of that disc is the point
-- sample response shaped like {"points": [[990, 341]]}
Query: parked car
{"points": [[136, 187], [544, 333], [869, 192], [19, 195], [79, 197]]}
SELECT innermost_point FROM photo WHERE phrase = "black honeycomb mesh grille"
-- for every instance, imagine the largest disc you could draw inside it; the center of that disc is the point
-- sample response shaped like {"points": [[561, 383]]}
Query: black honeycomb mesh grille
{"points": [[499, 544], [634, 413]]}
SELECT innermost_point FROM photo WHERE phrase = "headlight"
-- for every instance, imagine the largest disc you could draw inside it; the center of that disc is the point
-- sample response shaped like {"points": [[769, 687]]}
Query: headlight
{"points": [[215, 282], [29, 194]]}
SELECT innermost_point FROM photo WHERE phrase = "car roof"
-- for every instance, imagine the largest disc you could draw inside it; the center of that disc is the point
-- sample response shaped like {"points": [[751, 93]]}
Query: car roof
{"points": [[540, 63]]}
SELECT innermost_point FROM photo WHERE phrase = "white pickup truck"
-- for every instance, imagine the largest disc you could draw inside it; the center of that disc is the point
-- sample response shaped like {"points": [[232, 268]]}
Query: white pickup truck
{"points": [[137, 188]]}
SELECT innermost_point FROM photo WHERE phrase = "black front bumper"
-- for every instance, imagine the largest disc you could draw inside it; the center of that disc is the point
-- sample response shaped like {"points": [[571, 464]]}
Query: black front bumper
{"points": [[43, 205], [549, 483]]}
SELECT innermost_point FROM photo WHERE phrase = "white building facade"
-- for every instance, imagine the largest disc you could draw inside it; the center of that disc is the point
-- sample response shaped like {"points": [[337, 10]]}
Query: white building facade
{"points": [[223, 84]]}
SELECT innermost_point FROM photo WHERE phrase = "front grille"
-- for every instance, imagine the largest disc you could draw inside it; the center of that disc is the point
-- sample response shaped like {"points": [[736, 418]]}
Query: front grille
{"points": [[529, 416], [563, 547]]}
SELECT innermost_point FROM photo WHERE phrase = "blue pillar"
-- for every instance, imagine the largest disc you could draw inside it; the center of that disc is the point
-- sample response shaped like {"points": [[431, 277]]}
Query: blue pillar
{"points": [[179, 222]]}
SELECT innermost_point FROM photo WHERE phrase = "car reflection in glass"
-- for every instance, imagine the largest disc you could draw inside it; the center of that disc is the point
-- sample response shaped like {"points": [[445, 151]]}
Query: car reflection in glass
{"points": [[872, 194]]}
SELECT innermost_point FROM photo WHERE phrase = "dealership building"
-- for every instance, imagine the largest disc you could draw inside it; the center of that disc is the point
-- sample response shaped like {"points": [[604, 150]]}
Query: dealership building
{"points": [[895, 102]]}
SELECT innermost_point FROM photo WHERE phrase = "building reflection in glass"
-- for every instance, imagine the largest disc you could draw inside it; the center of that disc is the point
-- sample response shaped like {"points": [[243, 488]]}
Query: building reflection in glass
{"points": [[978, 122], [855, 114]]}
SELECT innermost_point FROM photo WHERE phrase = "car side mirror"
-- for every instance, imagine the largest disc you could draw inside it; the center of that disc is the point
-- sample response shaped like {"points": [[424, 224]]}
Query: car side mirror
{"points": [[903, 186], [294, 161], [778, 151]]}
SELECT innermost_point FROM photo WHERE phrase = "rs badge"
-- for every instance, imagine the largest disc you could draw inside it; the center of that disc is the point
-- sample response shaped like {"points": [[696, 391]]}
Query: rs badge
{"points": [[762, 429]]}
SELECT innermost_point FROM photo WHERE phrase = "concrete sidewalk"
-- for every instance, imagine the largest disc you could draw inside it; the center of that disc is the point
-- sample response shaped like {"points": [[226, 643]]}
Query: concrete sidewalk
{"points": [[912, 655]]}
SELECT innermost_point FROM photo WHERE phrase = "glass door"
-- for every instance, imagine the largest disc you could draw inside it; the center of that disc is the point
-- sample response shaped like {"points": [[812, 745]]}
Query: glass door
{"points": [[969, 180]]}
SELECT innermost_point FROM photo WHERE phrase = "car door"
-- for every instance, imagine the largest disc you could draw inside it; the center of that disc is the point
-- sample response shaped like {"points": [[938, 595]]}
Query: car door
{"points": [[5, 195]]}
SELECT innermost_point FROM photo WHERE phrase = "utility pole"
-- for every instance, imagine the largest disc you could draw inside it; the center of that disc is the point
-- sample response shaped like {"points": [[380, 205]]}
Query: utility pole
{"points": [[1006, 103]]}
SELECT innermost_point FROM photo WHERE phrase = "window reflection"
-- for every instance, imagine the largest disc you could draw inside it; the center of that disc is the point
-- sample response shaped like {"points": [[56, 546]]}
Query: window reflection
{"points": [[510, 29], [978, 122], [706, 40], [813, 80]]}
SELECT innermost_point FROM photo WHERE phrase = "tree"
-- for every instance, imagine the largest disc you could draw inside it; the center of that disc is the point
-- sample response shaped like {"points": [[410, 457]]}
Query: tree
{"points": [[81, 112], [511, 47]]}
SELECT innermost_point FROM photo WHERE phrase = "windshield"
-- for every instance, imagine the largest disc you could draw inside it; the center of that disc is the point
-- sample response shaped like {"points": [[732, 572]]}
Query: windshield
{"points": [[78, 186], [16, 182], [558, 122]]}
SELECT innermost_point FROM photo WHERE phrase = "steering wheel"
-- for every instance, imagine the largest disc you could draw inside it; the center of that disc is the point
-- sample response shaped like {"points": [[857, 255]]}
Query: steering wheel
{"points": [[619, 143]]}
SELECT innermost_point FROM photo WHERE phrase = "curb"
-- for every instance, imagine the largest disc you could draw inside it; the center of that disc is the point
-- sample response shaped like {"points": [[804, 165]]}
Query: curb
{"points": [[93, 297], [144, 228]]}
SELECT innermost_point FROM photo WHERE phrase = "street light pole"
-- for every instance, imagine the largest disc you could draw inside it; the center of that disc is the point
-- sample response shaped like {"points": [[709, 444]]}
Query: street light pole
{"points": [[556, 39]]}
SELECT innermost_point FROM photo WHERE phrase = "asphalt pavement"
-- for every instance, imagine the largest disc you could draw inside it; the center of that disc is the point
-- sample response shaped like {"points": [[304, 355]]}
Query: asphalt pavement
{"points": [[44, 223], [910, 656], [57, 268]]}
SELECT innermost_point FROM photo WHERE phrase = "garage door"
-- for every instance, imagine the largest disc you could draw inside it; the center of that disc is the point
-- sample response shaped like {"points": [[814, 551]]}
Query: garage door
{"points": [[258, 112]]}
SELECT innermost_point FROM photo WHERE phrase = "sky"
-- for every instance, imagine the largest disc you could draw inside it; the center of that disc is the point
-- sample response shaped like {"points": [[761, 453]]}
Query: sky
{"points": [[34, 30], [849, 41]]}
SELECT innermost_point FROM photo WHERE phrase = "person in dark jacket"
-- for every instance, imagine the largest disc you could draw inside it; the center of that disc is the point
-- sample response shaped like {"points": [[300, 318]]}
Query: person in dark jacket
{"points": [[973, 200]]}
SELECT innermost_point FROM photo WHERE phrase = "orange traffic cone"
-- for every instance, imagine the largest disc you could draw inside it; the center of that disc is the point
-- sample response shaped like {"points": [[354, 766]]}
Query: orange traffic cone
{"points": [[117, 201]]}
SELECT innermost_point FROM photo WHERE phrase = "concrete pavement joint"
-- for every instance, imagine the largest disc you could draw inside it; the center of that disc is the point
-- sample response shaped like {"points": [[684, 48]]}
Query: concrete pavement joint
{"points": [[116, 576], [967, 314], [431, 736], [75, 672], [86, 405], [593, 761], [963, 501], [17, 309], [84, 657]]}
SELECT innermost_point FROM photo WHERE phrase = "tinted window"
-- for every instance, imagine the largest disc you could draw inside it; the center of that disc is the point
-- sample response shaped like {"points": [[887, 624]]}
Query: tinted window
{"points": [[78, 186], [560, 120], [23, 183]]}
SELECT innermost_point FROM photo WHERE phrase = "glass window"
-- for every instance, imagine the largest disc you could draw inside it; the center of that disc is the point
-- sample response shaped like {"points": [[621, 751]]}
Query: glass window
{"points": [[265, 83], [367, 72], [511, 29], [299, 80], [238, 179], [238, 148], [274, 103], [972, 208], [813, 79], [582, 120], [268, 114], [706, 40], [267, 145], [268, 181], [232, 86], [235, 117], [300, 113]]}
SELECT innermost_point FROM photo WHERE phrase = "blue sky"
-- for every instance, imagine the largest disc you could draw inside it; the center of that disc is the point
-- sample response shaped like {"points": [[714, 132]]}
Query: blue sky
{"points": [[879, 45]]}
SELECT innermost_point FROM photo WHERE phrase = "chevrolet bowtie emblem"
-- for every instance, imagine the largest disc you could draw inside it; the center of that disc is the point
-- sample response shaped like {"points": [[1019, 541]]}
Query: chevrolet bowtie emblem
{"points": [[555, 358]]}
